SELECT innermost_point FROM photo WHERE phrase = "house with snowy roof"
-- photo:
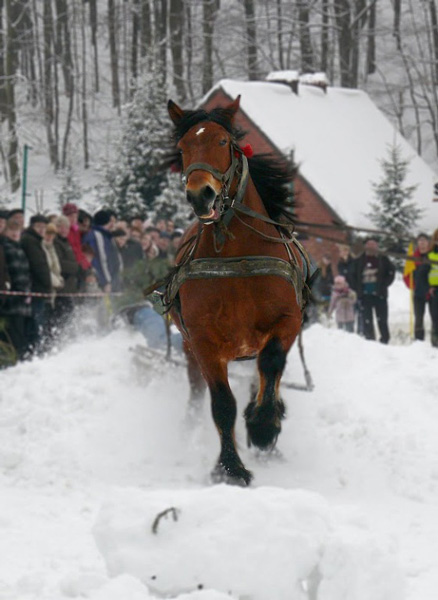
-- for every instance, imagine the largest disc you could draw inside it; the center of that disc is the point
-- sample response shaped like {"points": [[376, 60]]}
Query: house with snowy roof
{"points": [[338, 137]]}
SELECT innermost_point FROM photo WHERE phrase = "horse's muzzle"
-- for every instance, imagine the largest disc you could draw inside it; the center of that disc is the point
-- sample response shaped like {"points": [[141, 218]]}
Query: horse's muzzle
{"points": [[203, 202]]}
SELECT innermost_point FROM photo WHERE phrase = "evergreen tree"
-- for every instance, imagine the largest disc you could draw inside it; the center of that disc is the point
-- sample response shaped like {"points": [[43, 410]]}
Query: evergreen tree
{"points": [[172, 202], [136, 178], [71, 190], [393, 211]]}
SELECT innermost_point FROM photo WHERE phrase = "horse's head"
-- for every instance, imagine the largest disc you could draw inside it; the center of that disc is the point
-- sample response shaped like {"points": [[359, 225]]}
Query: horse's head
{"points": [[208, 148]]}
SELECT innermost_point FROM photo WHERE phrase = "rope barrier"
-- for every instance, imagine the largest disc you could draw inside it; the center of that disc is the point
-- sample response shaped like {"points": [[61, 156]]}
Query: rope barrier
{"points": [[58, 295]]}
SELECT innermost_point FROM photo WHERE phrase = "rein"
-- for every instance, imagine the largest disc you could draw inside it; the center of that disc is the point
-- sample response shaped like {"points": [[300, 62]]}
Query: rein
{"points": [[243, 266]]}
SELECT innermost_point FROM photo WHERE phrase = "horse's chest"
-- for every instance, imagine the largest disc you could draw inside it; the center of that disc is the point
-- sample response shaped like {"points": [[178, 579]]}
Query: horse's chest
{"points": [[232, 308]]}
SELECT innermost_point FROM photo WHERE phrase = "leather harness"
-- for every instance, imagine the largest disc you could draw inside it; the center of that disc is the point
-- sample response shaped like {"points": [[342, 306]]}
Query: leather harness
{"points": [[241, 266]]}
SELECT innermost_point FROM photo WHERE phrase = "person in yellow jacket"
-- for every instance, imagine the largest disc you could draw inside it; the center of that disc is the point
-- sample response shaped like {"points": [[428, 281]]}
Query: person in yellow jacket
{"points": [[433, 286]]}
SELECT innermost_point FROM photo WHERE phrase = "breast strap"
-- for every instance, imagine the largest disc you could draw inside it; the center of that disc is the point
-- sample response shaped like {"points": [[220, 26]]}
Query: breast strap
{"points": [[242, 266]]}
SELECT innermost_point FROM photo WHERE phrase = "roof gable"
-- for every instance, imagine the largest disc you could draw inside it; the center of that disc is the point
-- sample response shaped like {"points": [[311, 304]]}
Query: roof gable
{"points": [[339, 138]]}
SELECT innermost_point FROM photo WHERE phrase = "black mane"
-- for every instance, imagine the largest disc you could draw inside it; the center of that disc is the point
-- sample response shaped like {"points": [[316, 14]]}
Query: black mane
{"points": [[272, 176]]}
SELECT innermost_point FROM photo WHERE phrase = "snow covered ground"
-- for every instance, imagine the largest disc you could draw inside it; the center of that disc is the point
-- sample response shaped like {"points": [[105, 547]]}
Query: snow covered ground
{"points": [[92, 450]]}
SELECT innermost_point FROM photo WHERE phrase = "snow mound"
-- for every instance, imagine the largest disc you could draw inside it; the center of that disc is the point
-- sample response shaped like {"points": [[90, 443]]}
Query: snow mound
{"points": [[242, 542]]}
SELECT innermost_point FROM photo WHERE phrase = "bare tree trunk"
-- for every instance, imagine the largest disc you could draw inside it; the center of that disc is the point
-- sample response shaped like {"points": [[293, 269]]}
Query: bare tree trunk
{"points": [[76, 25], [208, 16], [176, 26], [84, 92], [371, 49], [280, 34], [146, 34], [135, 38], [123, 48], [189, 51], [307, 62], [10, 72], [37, 44], [64, 45], [160, 17], [3, 51], [113, 54], [49, 61], [343, 18], [324, 36], [30, 56], [251, 39], [397, 19], [434, 22], [93, 24]]}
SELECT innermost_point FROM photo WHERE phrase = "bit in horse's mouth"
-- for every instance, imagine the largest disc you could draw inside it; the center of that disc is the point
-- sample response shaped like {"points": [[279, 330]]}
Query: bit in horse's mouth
{"points": [[212, 216]]}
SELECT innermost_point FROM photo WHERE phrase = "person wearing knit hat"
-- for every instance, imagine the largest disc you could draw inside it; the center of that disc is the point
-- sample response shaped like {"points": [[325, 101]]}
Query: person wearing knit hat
{"points": [[106, 262], [102, 217], [16, 215], [38, 219], [69, 209], [71, 212], [342, 302]]}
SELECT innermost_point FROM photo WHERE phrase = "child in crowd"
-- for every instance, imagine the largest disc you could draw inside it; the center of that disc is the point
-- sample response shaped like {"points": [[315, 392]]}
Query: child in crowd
{"points": [[342, 303]]}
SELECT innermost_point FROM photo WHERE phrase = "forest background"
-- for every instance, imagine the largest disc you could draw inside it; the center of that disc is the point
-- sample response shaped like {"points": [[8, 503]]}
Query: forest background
{"points": [[84, 83]]}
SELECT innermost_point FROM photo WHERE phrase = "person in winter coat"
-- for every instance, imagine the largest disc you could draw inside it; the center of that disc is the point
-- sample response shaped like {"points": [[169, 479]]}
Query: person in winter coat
{"points": [[31, 242], [130, 250], [3, 220], [70, 271], [71, 211], [371, 275], [52, 259], [16, 309], [433, 286], [345, 261], [342, 303], [106, 261], [418, 281], [4, 275], [324, 281]]}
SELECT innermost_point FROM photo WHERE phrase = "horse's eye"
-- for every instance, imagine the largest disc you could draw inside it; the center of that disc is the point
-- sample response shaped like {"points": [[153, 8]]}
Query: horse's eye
{"points": [[223, 142]]}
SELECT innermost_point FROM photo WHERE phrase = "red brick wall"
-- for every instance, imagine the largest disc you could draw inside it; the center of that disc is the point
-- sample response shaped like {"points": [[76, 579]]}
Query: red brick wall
{"points": [[310, 207]]}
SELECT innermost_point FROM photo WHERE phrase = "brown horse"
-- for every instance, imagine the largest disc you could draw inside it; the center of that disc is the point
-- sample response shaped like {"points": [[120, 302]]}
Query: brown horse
{"points": [[238, 289]]}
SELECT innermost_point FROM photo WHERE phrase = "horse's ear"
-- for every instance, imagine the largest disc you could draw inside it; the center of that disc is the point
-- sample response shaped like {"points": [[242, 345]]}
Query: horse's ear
{"points": [[175, 112], [233, 107]]}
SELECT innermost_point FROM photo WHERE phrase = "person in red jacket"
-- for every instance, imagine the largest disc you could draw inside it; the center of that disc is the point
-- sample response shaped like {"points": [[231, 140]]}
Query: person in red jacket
{"points": [[70, 210]]}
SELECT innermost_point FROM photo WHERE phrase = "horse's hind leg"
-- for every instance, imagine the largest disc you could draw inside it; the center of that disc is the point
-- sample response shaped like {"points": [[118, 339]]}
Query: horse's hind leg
{"points": [[264, 414], [197, 382]]}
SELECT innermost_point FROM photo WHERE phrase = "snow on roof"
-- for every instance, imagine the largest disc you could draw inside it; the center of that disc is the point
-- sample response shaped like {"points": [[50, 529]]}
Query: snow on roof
{"points": [[283, 76], [339, 138]]}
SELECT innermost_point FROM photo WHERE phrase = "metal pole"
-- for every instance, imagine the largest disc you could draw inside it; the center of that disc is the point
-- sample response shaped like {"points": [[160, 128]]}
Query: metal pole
{"points": [[24, 183]]}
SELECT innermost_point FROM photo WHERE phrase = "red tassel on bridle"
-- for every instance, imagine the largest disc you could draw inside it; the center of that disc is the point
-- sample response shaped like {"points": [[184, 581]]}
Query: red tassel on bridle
{"points": [[246, 151]]}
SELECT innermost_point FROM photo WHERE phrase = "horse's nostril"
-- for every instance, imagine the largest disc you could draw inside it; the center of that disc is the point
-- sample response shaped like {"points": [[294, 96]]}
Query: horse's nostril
{"points": [[208, 193]]}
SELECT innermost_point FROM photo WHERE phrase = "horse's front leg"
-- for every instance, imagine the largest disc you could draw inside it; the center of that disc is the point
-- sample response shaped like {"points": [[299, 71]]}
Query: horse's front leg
{"points": [[265, 412], [229, 467]]}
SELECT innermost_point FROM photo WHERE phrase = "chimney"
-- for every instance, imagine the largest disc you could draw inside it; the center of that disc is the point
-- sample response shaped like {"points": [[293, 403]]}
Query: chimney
{"points": [[289, 78], [318, 80]]}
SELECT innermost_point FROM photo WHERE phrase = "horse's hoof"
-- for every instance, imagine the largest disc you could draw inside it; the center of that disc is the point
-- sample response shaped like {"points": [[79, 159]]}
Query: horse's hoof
{"points": [[232, 476]]}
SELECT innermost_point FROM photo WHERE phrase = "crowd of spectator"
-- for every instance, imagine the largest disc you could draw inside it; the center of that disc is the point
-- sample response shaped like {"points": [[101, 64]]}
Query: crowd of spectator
{"points": [[60, 263], [358, 295]]}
